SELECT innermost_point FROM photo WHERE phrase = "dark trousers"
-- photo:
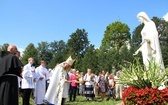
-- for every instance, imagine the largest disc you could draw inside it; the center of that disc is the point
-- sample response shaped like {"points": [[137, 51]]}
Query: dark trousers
{"points": [[26, 96], [73, 93]]}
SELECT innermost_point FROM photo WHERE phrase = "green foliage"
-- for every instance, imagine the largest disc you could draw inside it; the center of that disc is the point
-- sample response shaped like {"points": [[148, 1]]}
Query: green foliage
{"points": [[30, 51], [58, 47], [138, 76], [58, 50], [4, 47], [136, 35], [107, 59], [90, 60], [110, 59], [77, 45], [116, 37], [101, 59], [78, 42], [126, 54], [44, 53], [116, 34], [58, 58]]}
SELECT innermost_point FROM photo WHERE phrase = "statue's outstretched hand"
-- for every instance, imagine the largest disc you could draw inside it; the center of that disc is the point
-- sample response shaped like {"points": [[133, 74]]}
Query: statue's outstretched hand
{"points": [[136, 53]]}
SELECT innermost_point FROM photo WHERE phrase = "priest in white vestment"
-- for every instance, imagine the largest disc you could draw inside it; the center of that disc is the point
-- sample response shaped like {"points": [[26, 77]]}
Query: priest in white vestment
{"points": [[58, 89], [40, 87]]}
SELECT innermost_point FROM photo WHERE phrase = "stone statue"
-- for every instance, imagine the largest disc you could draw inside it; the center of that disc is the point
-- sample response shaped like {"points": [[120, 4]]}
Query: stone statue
{"points": [[150, 46]]}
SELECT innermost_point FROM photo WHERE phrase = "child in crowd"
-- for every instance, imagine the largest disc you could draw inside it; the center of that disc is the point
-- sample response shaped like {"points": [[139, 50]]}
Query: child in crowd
{"points": [[110, 86]]}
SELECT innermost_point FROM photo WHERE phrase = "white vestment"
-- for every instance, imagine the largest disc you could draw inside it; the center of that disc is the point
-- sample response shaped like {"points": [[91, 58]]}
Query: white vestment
{"points": [[28, 77], [57, 88], [40, 88]]}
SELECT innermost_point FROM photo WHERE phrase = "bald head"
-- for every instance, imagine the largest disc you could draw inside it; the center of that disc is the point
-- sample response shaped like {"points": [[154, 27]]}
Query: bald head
{"points": [[12, 49]]}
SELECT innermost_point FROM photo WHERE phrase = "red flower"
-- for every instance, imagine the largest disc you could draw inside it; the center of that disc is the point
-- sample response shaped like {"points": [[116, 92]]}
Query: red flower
{"points": [[145, 96]]}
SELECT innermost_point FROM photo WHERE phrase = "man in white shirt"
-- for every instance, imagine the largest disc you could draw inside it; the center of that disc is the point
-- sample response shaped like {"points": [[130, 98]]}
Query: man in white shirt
{"points": [[118, 86], [28, 81]]}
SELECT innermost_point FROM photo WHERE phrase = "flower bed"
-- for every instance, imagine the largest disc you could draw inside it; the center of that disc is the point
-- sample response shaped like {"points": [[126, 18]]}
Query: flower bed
{"points": [[145, 96], [143, 84]]}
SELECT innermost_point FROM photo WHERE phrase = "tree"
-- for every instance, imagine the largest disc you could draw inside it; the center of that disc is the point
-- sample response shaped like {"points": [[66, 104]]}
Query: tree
{"points": [[44, 52], [136, 35], [116, 34], [90, 60], [4, 47], [58, 46], [109, 60], [115, 37], [30, 51], [77, 45], [58, 58], [58, 50]]}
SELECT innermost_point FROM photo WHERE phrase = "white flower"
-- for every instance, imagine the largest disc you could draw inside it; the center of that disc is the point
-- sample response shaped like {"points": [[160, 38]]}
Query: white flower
{"points": [[145, 76], [131, 79], [135, 78]]}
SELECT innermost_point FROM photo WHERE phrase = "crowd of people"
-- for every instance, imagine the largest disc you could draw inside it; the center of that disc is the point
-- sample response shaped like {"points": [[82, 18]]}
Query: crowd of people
{"points": [[88, 85], [91, 85], [54, 86]]}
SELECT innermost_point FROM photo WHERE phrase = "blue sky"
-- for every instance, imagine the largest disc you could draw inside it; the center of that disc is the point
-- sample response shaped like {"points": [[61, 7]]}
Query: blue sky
{"points": [[32, 21]]}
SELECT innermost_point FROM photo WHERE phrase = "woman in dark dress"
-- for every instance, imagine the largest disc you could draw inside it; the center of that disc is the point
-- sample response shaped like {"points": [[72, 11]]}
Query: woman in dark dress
{"points": [[102, 83]]}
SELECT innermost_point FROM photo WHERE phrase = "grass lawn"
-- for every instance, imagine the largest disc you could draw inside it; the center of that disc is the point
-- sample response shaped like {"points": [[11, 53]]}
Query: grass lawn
{"points": [[80, 100], [97, 101]]}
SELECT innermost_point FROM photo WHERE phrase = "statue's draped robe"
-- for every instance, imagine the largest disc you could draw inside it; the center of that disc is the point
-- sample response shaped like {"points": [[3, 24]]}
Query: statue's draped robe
{"points": [[150, 45]]}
